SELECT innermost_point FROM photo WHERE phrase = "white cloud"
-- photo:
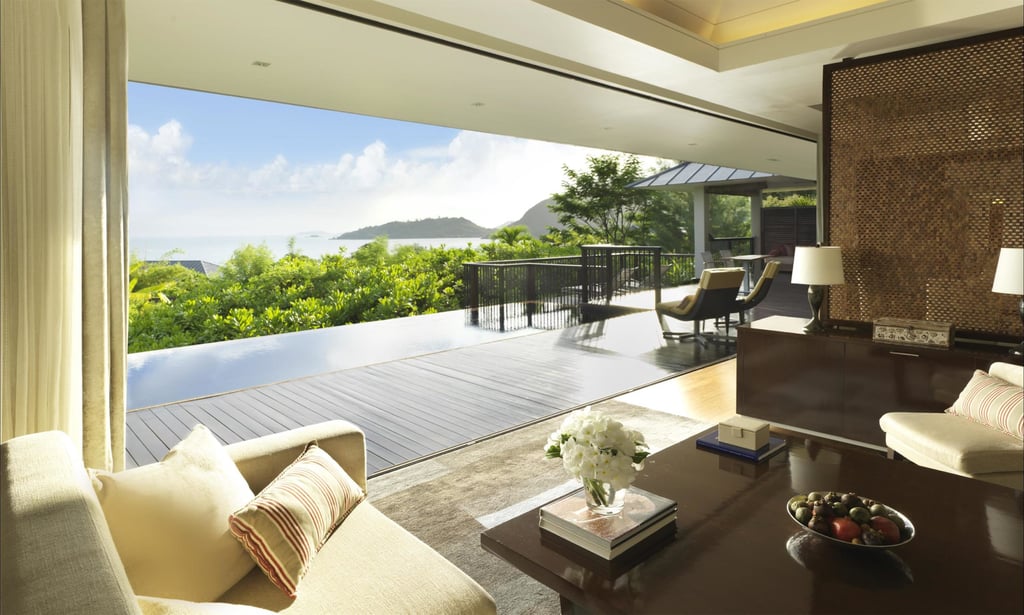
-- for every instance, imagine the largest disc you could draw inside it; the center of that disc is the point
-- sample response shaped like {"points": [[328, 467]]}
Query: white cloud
{"points": [[488, 179]]}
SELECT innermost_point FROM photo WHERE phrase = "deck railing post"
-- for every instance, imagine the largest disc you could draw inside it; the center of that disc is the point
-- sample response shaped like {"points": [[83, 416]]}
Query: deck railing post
{"points": [[657, 275], [585, 263], [471, 275], [531, 293], [501, 299], [608, 290]]}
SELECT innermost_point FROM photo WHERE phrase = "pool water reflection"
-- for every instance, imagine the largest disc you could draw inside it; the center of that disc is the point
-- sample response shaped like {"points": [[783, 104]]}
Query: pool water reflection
{"points": [[176, 374]]}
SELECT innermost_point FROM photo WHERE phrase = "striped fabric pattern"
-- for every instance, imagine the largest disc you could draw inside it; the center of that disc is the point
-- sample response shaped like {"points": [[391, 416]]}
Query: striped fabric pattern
{"points": [[994, 402], [284, 526]]}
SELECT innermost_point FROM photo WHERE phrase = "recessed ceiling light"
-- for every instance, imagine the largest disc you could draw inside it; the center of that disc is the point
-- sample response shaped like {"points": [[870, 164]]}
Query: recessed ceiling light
{"points": [[260, 63]]}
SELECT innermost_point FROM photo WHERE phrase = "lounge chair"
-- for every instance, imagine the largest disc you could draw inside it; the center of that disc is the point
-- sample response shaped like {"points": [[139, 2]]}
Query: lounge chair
{"points": [[759, 292], [716, 297]]}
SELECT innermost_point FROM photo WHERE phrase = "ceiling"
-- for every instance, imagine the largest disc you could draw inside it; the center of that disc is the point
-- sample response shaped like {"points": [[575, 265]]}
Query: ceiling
{"points": [[726, 82]]}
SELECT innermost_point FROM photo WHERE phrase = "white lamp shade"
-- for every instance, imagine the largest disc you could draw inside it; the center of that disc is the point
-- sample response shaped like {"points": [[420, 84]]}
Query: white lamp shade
{"points": [[1009, 277], [821, 266]]}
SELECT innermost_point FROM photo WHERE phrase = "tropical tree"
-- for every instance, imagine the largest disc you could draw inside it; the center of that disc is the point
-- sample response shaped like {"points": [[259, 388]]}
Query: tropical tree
{"points": [[511, 235], [595, 203], [597, 207], [729, 215], [247, 262], [800, 198]]}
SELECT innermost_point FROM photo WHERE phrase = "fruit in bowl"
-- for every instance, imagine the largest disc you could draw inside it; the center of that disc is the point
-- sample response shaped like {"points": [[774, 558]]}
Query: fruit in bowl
{"points": [[850, 519]]}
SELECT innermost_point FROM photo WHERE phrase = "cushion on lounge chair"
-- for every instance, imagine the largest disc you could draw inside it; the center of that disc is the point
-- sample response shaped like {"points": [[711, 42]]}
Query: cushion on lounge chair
{"points": [[956, 442]]}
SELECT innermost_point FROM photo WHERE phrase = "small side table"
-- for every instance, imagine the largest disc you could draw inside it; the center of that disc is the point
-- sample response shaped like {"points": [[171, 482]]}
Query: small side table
{"points": [[748, 261]]}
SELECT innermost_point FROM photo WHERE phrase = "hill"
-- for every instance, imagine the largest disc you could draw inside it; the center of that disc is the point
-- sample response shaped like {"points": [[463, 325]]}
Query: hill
{"points": [[538, 218], [420, 229]]}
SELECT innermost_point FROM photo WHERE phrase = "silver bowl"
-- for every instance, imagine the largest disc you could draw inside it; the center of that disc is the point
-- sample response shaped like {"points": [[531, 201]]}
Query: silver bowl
{"points": [[910, 531]]}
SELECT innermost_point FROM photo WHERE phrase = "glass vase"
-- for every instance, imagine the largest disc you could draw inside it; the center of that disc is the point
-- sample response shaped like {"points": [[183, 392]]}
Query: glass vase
{"points": [[602, 498]]}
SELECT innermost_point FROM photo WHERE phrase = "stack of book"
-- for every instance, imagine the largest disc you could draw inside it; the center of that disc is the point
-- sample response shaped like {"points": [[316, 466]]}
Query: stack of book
{"points": [[743, 437], [646, 520]]}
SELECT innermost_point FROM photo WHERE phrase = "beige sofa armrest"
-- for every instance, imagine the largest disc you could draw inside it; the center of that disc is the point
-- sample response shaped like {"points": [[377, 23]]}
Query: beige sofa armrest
{"points": [[56, 553], [260, 460]]}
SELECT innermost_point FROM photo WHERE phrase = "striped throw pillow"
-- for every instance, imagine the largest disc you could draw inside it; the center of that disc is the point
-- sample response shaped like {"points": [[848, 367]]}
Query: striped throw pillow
{"points": [[284, 526], [994, 402]]}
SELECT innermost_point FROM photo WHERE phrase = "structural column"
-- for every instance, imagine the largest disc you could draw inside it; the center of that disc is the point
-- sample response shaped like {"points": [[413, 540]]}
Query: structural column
{"points": [[757, 246], [701, 227]]}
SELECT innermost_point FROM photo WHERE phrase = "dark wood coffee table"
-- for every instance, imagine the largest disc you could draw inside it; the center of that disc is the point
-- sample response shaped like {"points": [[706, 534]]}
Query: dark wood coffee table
{"points": [[737, 551]]}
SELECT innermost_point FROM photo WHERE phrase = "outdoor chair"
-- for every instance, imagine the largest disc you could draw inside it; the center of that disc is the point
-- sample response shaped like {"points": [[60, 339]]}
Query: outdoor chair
{"points": [[759, 292], [709, 260], [647, 281], [715, 298]]}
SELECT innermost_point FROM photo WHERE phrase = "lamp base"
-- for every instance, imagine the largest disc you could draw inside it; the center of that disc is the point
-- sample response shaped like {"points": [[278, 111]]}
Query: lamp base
{"points": [[815, 297], [1018, 352], [814, 326]]}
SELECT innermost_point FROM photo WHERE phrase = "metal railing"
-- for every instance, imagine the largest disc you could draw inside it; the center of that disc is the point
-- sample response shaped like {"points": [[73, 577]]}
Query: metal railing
{"points": [[547, 292], [510, 295]]}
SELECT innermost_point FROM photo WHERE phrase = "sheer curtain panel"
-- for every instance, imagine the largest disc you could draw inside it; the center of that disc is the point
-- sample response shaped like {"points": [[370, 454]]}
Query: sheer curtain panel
{"points": [[63, 222]]}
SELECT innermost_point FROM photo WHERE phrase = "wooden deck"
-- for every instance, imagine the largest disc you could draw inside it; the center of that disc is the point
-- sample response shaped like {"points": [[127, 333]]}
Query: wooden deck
{"points": [[415, 407], [410, 408]]}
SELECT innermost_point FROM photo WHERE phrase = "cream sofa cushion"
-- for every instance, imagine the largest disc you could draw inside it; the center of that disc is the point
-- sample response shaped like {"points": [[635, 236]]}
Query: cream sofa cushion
{"points": [[956, 442], [169, 606], [1014, 374], [370, 566], [169, 520]]}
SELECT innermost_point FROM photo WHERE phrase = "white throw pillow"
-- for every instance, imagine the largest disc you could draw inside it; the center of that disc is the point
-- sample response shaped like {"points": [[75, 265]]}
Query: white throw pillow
{"points": [[169, 520]]}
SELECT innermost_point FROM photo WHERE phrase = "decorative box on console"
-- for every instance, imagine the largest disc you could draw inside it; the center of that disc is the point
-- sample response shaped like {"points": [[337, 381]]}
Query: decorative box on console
{"points": [[744, 432], [913, 332]]}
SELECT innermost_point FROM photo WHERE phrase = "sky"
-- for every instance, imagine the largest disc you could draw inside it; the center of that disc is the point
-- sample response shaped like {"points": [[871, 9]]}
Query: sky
{"points": [[209, 165]]}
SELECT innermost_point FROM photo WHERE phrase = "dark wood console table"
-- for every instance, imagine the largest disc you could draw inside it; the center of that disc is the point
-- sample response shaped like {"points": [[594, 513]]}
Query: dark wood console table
{"points": [[839, 383]]}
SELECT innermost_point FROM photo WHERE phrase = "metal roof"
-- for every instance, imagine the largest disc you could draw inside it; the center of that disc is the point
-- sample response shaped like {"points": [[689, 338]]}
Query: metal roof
{"points": [[204, 267], [698, 174]]}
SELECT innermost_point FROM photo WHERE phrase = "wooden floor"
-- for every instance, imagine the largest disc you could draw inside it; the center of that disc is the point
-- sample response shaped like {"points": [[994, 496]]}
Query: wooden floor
{"points": [[415, 407], [707, 395]]}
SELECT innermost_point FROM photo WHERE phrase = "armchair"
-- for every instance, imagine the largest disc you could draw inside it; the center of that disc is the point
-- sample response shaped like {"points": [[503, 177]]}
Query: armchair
{"points": [[760, 290], [715, 298]]}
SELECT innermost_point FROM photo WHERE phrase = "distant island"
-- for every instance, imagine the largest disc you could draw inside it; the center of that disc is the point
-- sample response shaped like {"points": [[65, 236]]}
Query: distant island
{"points": [[537, 219], [420, 229]]}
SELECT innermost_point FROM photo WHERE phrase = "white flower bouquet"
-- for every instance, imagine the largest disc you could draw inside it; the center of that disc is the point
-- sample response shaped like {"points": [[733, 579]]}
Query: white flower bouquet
{"points": [[598, 451]]}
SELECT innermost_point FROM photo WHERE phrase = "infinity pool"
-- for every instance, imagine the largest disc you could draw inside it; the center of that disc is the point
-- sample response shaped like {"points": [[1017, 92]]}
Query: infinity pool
{"points": [[176, 374]]}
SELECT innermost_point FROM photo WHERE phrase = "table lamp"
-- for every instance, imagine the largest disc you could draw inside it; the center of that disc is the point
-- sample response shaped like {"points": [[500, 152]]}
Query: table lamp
{"points": [[819, 267], [1009, 279]]}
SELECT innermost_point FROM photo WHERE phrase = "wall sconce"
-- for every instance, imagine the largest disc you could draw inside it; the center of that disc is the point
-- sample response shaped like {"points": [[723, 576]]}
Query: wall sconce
{"points": [[819, 267], [1009, 279]]}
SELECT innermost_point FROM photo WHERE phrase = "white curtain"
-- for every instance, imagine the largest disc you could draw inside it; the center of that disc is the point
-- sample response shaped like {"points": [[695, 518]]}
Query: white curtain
{"points": [[63, 222]]}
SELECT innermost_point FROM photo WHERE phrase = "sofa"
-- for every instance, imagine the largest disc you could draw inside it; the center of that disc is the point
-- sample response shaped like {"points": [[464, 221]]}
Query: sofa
{"points": [[64, 548], [981, 436], [783, 254]]}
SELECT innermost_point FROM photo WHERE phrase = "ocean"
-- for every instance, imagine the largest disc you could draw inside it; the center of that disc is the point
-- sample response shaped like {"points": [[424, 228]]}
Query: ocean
{"points": [[219, 249]]}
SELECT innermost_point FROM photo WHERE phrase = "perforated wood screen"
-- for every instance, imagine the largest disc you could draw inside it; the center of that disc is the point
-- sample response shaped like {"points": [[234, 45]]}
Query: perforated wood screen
{"points": [[924, 182]]}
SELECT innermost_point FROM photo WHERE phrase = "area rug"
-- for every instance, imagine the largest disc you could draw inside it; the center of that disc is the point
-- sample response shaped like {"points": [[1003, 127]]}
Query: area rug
{"points": [[448, 500]]}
